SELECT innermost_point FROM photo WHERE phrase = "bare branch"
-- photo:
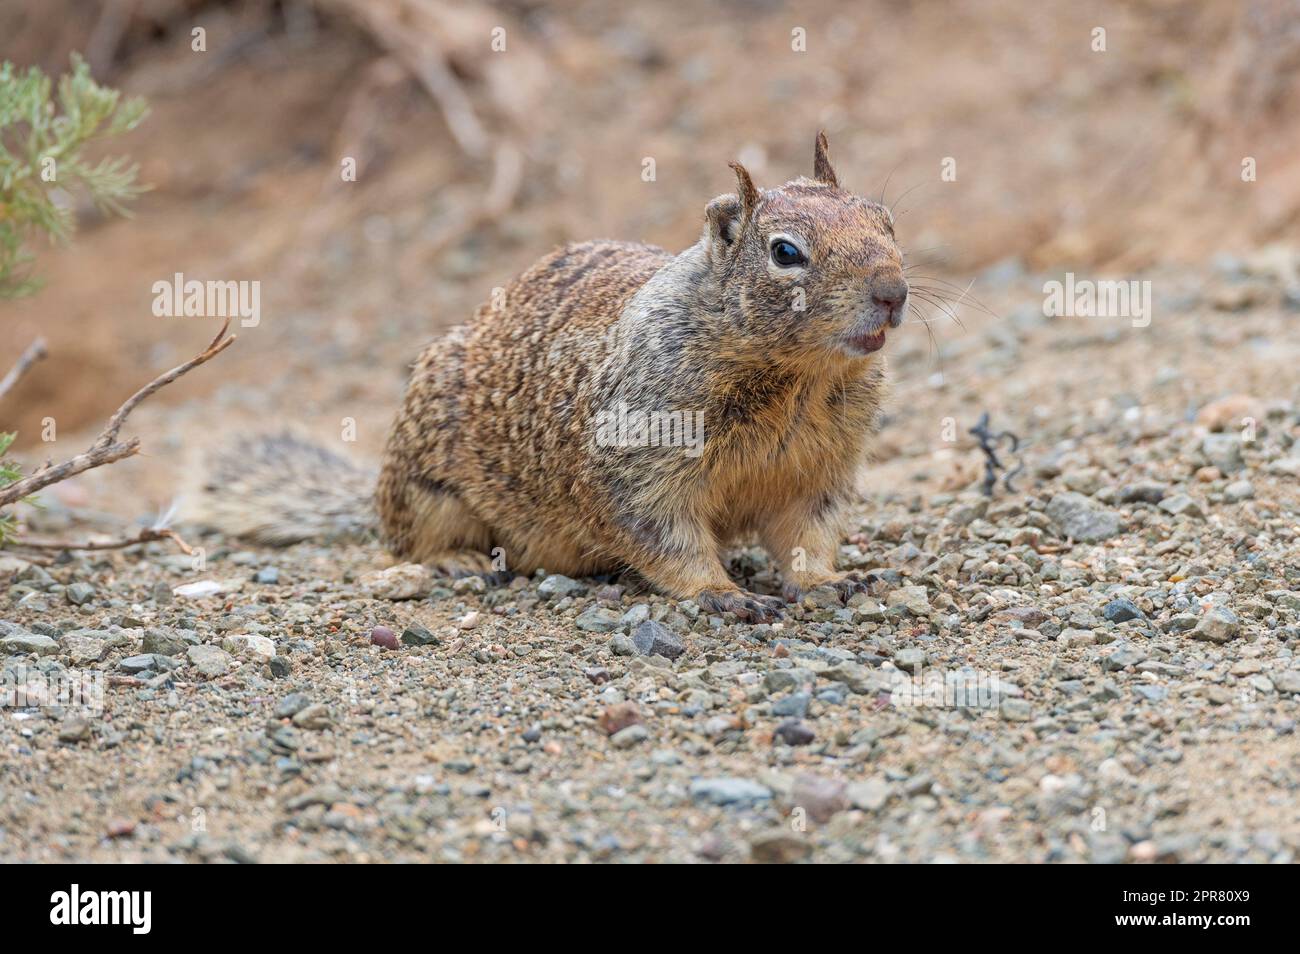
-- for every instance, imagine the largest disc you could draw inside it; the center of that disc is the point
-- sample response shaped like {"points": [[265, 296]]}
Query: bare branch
{"points": [[107, 448], [507, 169], [147, 535], [214, 348], [114, 19], [35, 352], [408, 29]]}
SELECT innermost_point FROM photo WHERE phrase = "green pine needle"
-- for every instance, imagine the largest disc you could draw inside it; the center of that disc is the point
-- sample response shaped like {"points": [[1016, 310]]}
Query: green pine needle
{"points": [[42, 138], [42, 167]]}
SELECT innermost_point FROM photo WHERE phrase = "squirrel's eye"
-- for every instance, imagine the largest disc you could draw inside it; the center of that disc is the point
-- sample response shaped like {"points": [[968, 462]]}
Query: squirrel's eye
{"points": [[786, 255]]}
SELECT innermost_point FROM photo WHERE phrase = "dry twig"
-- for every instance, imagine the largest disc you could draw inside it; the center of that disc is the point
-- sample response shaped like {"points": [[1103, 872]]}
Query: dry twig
{"points": [[107, 448], [35, 352], [507, 167], [147, 535], [102, 46], [408, 29]]}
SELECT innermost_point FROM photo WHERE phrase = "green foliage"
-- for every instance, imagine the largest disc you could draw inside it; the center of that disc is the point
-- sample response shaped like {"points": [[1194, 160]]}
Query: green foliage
{"points": [[42, 138], [9, 472]]}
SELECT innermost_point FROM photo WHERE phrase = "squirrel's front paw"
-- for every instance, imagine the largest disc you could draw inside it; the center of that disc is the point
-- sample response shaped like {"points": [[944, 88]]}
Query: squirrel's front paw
{"points": [[845, 585], [749, 607]]}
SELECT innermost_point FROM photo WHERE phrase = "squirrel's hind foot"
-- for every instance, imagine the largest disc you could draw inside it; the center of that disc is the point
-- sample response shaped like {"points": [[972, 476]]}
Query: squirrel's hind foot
{"points": [[460, 563], [845, 586], [748, 607]]}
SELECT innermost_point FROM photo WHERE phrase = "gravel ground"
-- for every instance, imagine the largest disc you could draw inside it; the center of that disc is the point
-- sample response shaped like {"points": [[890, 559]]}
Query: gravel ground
{"points": [[1098, 665]]}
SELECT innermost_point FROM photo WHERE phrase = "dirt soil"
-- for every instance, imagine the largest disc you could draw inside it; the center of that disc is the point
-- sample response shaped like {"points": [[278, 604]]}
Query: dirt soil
{"points": [[1128, 610]]}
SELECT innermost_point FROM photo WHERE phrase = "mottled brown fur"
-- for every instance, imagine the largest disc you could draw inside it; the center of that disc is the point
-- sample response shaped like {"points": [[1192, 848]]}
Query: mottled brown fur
{"points": [[496, 442]]}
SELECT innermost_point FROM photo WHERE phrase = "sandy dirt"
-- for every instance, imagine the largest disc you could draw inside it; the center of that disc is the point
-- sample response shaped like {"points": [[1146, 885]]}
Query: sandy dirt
{"points": [[1137, 691]]}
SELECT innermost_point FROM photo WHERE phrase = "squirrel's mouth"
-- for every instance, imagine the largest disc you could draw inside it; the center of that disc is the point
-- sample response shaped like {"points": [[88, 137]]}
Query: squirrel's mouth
{"points": [[866, 341]]}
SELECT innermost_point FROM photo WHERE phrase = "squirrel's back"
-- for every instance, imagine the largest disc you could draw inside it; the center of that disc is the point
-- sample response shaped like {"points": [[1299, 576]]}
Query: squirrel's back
{"points": [[496, 413]]}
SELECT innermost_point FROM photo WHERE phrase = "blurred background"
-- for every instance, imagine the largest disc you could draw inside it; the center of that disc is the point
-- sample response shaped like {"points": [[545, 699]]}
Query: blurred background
{"points": [[485, 133]]}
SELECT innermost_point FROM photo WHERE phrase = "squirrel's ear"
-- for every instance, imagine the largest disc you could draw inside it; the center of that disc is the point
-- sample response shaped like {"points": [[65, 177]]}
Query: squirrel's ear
{"points": [[723, 215], [729, 215], [823, 171], [748, 194]]}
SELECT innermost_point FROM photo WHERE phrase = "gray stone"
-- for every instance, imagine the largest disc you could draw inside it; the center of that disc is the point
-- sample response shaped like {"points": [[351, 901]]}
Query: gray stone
{"points": [[251, 645], [598, 619], [1079, 518], [860, 679], [823, 597], [1223, 451], [871, 795], [1122, 610], [211, 661], [557, 586], [405, 581], [626, 738], [1015, 710], [74, 730], [910, 659], [973, 690], [655, 639], [146, 661], [1122, 657], [1180, 623], [914, 599], [1239, 490], [84, 650], [1086, 481], [79, 594], [636, 615], [1285, 599], [1288, 681], [164, 642], [29, 643], [1142, 492], [820, 797], [291, 705], [794, 705], [416, 634], [1218, 625], [1182, 505], [740, 792], [315, 717], [1072, 637], [1152, 692], [794, 732]]}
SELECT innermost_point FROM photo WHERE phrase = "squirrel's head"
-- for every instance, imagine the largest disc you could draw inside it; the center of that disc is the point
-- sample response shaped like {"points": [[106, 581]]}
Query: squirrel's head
{"points": [[807, 265]]}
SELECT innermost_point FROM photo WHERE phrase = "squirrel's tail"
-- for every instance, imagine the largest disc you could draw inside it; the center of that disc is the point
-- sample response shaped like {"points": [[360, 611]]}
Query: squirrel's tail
{"points": [[281, 489]]}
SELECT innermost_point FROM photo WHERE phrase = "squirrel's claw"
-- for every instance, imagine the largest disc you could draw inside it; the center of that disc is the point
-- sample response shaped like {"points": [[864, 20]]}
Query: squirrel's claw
{"points": [[845, 586], [748, 607]]}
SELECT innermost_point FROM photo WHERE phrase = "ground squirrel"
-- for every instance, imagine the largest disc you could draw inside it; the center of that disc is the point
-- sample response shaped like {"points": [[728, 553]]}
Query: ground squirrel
{"points": [[514, 430]]}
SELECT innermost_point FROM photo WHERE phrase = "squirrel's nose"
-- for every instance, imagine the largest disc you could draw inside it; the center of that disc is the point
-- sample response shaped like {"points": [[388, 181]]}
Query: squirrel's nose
{"points": [[890, 295]]}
